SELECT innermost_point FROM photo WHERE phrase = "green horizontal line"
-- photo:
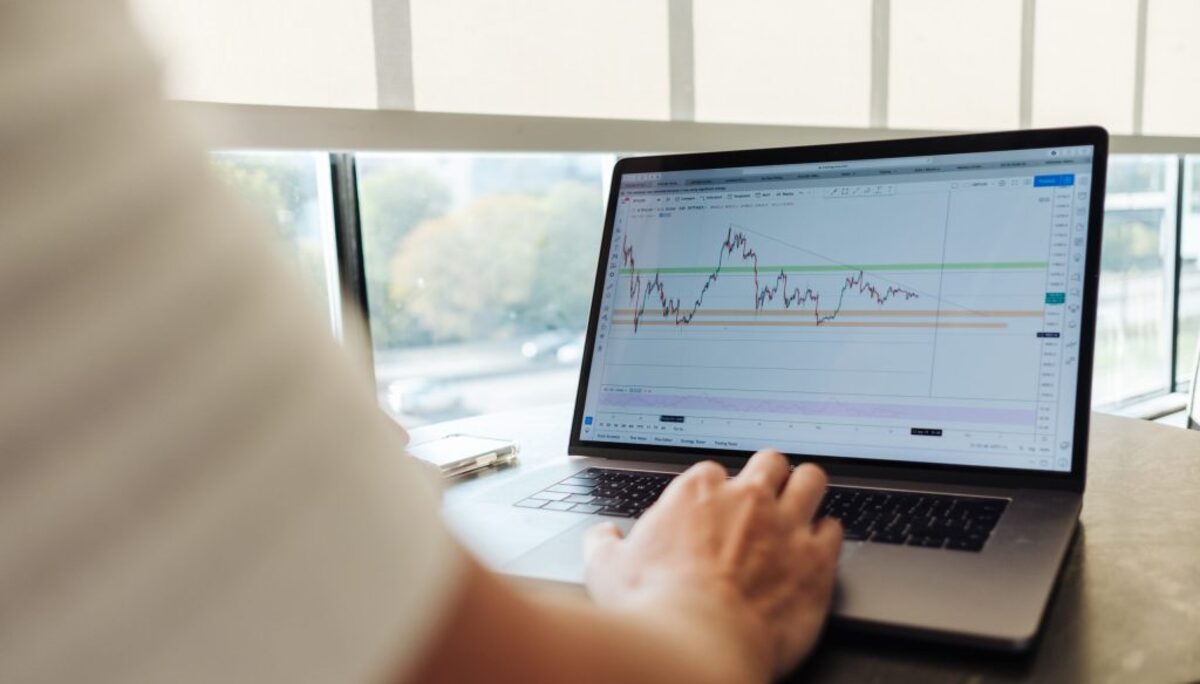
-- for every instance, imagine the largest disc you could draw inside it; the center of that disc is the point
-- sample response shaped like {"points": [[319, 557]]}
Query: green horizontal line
{"points": [[823, 268]]}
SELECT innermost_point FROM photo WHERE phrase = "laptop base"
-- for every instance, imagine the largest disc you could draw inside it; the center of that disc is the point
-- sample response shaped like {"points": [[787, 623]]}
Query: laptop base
{"points": [[992, 599]]}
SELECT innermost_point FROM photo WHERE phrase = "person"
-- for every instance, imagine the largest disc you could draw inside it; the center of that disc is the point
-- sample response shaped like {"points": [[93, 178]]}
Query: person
{"points": [[196, 484]]}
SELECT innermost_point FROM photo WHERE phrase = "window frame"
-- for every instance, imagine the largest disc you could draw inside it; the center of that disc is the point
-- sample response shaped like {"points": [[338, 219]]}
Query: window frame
{"points": [[258, 127]]}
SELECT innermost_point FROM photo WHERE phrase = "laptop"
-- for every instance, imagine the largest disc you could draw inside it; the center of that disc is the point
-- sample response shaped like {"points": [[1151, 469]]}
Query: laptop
{"points": [[916, 316]]}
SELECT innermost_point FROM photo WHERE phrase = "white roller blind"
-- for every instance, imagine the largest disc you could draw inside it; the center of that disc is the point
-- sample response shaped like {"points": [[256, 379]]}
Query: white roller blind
{"points": [[779, 61], [548, 57], [1172, 100], [280, 52], [939, 64], [955, 64], [1085, 55]]}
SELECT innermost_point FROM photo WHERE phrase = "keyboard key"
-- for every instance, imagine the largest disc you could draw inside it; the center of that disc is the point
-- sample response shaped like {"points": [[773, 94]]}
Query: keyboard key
{"points": [[570, 489], [928, 542], [580, 481], [585, 508], [558, 506], [888, 538], [531, 503], [579, 498], [550, 496], [952, 527], [616, 512]]}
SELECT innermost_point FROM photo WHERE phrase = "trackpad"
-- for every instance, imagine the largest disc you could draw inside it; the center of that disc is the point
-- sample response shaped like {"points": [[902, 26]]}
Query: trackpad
{"points": [[499, 534], [561, 559]]}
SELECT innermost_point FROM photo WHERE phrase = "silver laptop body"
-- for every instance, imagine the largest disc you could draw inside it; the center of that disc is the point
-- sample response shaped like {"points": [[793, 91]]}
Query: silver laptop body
{"points": [[914, 315]]}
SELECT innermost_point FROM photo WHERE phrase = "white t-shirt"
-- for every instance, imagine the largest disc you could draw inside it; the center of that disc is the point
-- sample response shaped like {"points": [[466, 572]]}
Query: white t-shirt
{"points": [[195, 483]]}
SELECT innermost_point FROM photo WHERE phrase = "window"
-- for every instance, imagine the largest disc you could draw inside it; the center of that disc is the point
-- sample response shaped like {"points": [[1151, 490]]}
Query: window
{"points": [[480, 270], [1132, 338], [291, 190]]}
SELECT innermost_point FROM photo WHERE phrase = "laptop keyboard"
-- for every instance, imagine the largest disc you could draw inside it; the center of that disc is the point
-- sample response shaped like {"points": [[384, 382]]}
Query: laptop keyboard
{"points": [[935, 521], [881, 516], [619, 493]]}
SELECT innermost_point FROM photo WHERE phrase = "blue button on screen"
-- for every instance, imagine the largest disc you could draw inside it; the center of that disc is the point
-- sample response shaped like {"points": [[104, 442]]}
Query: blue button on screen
{"points": [[1052, 180]]}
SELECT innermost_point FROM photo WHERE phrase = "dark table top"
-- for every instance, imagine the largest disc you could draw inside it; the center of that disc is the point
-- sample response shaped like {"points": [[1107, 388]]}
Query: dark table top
{"points": [[1127, 607]]}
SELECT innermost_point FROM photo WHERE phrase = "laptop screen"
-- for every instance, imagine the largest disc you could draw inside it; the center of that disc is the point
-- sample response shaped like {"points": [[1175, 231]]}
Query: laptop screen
{"points": [[918, 309]]}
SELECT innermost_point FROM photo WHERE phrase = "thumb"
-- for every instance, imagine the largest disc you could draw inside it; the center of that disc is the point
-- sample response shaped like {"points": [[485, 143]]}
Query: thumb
{"points": [[599, 540]]}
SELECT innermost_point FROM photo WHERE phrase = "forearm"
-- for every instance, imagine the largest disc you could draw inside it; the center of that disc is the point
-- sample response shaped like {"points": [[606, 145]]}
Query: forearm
{"points": [[494, 633]]}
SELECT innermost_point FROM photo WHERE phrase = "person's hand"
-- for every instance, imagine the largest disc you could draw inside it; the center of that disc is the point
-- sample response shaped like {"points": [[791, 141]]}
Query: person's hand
{"points": [[743, 554]]}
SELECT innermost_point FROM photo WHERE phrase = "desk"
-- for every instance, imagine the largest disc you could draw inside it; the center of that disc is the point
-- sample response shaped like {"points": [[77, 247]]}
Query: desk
{"points": [[1128, 604]]}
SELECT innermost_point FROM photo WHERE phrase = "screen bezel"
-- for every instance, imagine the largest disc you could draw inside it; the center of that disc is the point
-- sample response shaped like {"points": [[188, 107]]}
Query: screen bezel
{"points": [[865, 467]]}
